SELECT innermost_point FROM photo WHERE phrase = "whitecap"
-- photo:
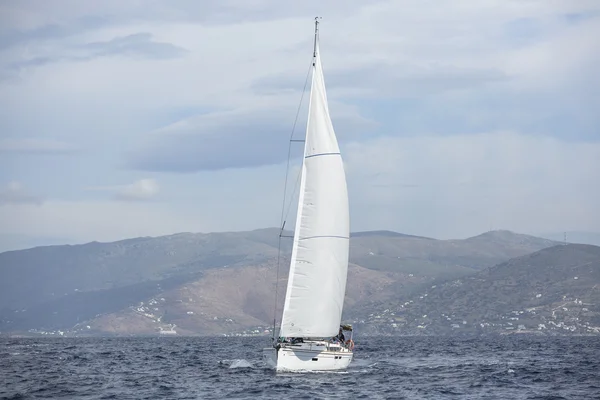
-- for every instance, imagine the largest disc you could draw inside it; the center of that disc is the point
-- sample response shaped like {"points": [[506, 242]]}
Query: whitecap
{"points": [[240, 364]]}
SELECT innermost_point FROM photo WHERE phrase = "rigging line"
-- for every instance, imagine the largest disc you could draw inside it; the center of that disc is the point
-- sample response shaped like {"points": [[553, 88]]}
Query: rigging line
{"points": [[283, 213], [284, 219], [287, 169]]}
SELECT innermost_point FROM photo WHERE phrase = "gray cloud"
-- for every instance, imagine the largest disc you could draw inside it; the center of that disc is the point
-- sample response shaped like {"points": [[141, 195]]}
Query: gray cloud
{"points": [[217, 141], [395, 82], [468, 182], [136, 45], [235, 11], [446, 98], [234, 139], [140, 190], [82, 17], [436, 78], [14, 193], [390, 81], [15, 37], [36, 146]]}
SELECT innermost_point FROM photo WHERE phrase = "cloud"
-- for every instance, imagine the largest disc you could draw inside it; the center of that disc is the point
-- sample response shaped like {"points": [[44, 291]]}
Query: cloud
{"points": [[15, 193], [225, 200], [82, 16], [466, 184], [438, 186], [215, 141], [47, 32], [141, 190], [443, 80], [232, 139], [36, 146], [212, 88], [135, 45], [89, 221], [144, 189], [389, 81], [138, 45]]}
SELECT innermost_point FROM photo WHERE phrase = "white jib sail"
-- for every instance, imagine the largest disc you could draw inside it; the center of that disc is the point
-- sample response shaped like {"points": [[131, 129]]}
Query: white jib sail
{"points": [[319, 264]]}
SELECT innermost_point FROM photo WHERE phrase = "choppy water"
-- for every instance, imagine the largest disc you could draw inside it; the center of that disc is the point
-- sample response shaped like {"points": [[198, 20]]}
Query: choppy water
{"points": [[512, 367]]}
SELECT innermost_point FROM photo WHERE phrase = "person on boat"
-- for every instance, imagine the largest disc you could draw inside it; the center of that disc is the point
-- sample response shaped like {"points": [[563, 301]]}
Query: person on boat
{"points": [[341, 336]]}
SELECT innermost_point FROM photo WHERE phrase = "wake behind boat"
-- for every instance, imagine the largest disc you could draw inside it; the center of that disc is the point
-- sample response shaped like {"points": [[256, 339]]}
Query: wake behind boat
{"points": [[311, 337]]}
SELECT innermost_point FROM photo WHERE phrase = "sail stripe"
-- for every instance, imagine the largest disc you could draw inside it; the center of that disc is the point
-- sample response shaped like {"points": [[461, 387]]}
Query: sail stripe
{"points": [[323, 154], [324, 236]]}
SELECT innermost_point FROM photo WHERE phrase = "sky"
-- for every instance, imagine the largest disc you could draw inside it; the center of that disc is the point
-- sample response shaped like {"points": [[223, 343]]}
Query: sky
{"points": [[143, 118]]}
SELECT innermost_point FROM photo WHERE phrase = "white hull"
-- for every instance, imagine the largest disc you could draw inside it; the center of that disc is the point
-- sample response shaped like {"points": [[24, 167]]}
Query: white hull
{"points": [[311, 356]]}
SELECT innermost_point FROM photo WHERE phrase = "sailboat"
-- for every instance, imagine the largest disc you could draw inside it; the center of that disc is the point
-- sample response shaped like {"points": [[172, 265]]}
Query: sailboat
{"points": [[311, 337]]}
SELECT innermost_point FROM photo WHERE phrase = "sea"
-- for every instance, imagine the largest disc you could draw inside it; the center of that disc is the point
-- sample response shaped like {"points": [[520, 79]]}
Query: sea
{"points": [[418, 367]]}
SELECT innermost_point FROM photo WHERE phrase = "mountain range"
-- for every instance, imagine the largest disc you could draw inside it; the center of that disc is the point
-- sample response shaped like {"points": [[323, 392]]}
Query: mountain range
{"points": [[225, 283]]}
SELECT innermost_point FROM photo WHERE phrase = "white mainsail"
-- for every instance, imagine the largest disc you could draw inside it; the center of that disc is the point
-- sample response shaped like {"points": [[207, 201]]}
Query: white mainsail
{"points": [[318, 270]]}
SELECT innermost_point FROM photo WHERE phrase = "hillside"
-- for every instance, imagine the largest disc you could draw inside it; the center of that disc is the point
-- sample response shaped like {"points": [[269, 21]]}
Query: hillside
{"points": [[42, 274], [217, 282], [555, 290], [574, 237], [425, 256]]}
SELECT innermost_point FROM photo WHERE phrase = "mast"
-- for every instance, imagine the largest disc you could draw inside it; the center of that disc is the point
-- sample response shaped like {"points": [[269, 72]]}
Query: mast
{"points": [[283, 207], [316, 37]]}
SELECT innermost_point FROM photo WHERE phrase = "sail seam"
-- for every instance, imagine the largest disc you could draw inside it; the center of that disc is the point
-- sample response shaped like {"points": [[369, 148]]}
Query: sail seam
{"points": [[324, 236], [323, 154]]}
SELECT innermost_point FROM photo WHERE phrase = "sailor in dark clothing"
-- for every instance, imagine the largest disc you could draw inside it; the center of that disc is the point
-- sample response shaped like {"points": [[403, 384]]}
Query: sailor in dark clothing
{"points": [[340, 336]]}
